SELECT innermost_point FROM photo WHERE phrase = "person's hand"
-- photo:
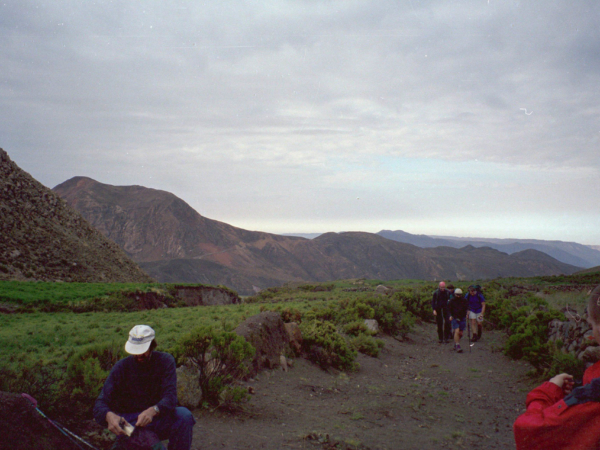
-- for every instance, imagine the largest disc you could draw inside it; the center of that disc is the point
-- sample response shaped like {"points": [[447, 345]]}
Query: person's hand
{"points": [[145, 417], [563, 381], [113, 423]]}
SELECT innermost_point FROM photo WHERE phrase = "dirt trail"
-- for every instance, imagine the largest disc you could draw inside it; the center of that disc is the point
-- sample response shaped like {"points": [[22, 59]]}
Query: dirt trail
{"points": [[416, 395]]}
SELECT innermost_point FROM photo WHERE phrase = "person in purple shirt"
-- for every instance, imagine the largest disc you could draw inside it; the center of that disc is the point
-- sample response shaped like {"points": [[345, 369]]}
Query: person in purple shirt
{"points": [[476, 311], [142, 391]]}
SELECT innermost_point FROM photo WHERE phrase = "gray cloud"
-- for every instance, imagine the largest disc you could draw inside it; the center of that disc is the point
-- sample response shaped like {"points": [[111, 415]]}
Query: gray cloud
{"points": [[273, 115]]}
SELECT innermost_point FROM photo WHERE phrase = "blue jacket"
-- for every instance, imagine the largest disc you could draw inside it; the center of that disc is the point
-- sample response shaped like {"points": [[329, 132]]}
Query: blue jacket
{"points": [[132, 387], [475, 302]]}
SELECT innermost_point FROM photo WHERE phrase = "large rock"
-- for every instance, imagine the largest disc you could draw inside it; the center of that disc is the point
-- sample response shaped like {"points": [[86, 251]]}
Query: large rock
{"points": [[372, 325], [188, 387], [266, 332], [206, 295], [590, 354], [295, 337], [381, 289]]}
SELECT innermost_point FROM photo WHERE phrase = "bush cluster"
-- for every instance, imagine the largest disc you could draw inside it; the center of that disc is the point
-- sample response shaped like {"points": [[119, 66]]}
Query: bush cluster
{"points": [[222, 357], [325, 346]]}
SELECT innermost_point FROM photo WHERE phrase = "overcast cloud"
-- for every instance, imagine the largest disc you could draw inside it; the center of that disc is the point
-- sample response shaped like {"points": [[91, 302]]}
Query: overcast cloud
{"points": [[468, 118]]}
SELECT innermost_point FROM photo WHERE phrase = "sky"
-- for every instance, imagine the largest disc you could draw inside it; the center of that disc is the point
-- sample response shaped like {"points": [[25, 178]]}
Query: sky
{"points": [[470, 118]]}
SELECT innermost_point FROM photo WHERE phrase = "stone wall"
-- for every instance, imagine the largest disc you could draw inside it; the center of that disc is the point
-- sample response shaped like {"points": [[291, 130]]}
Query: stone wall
{"points": [[576, 337]]}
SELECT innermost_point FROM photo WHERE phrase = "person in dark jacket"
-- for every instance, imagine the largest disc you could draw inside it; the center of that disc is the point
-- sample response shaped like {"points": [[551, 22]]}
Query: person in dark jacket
{"points": [[458, 306], [142, 390], [439, 303]]}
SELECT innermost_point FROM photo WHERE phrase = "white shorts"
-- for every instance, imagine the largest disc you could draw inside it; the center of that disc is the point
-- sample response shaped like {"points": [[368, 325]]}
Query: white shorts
{"points": [[473, 315]]}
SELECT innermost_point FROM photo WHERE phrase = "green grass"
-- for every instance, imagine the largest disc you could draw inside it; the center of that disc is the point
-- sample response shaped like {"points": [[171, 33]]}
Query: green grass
{"points": [[32, 292], [54, 337]]}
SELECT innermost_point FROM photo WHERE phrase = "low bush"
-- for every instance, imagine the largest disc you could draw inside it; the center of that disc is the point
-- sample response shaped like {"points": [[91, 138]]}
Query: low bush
{"points": [[221, 356], [86, 373], [357, 328], [325, 346], [560, 362], [367, 345]]}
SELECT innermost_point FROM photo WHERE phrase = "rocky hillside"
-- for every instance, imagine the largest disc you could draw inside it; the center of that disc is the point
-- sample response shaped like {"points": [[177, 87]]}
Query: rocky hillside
{"points": [[567, 252], [174, 243], [44, 239]]}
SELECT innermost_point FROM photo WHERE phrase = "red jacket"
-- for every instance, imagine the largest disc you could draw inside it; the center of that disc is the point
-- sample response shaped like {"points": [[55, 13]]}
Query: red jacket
{"points": [[550, 424]]}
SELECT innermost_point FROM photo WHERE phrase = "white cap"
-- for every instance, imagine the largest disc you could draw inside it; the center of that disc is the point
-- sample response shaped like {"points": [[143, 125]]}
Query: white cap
{"points": [[140, 338]]}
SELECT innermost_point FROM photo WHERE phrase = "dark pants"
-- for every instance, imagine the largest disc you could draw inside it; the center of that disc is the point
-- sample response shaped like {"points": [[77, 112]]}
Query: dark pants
{"points": [[176, 427], [443, 324]]}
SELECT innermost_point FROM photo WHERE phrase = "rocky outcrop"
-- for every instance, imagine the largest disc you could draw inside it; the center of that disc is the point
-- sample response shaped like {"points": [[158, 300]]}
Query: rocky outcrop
{"points": [[267, 334], [44, 239], [575, 336], [189, 393], [206, 295]]}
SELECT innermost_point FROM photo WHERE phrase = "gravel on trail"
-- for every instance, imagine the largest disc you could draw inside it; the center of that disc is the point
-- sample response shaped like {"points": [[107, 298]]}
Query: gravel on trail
{"points": [[417, 394]]}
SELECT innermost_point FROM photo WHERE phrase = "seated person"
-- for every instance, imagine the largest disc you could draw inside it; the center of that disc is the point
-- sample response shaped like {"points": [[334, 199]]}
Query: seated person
{"points": [[142, 391]]}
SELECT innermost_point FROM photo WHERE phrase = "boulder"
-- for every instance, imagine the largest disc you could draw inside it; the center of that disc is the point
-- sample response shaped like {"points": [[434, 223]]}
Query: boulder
{"points": [[295, 337], [590, 354], [267, 334], [188, 387], [372, 325], [381, 289], [206, 295]]}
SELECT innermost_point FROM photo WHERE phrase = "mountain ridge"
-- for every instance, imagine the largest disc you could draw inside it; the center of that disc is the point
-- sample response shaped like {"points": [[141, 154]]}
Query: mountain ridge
{"points": [[173, 242], [567, 252], [45, 239]]}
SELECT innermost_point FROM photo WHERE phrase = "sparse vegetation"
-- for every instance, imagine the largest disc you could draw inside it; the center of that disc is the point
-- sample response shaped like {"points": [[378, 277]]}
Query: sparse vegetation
{"points": [[56, 355]]}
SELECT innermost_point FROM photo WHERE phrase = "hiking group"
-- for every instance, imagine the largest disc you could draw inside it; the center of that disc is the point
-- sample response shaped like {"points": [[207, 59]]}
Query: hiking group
{"points": [[453, 311]]}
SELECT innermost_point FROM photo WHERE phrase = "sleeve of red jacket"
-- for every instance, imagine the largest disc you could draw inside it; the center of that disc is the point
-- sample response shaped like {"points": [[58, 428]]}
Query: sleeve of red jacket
{"points": [[536, 428], [549, 423]]}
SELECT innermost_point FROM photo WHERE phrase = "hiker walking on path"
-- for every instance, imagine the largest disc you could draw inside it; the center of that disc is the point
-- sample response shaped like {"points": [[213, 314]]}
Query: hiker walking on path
{"points": [[142, 390], [439, 303], [476, 311], [458, 307], [559, 416]]}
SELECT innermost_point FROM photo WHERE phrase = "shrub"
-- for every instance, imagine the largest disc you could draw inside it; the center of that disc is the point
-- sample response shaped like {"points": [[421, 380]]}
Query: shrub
{"points": [[222, 357], [41, 381], [86, 373], [526, 319], [367, 345], [291, 315], [325, 346], [392, 315], [357, 328], [560, 362]]}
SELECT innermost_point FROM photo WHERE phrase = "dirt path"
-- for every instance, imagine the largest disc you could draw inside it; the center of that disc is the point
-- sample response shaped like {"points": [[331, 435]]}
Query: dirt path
{"points": [[416, 395]]}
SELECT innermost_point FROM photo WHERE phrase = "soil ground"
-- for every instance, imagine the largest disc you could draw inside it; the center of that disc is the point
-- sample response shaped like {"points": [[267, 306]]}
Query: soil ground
{"points": [[417, 394]]}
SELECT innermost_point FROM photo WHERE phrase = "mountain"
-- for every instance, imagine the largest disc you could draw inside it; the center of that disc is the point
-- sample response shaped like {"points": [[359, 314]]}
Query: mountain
{"points": [[566, 252], [44, 239], [174, 243]]}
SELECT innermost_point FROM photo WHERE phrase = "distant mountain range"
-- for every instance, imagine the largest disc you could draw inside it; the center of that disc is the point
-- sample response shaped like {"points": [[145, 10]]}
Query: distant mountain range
{"points": [[566, 252], [174, 243], [41, 238]]}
